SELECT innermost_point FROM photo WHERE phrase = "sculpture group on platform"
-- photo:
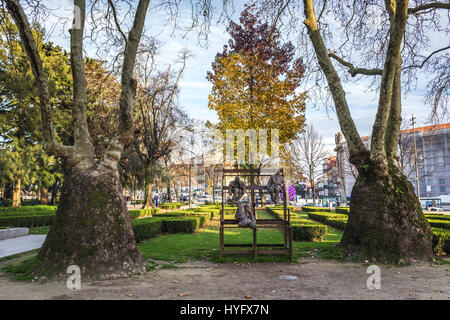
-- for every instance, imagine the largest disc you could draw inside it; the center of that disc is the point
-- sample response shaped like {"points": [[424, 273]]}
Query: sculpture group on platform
{"points": [[244, 213]]}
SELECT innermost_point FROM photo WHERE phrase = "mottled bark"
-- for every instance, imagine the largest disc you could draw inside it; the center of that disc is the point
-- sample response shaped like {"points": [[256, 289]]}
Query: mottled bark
{"points": [[393, 59], [386, 222], [92, 229], [395, 121]]}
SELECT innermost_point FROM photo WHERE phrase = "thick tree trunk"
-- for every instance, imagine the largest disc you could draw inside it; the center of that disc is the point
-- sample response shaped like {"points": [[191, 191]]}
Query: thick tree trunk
{"points": [[8, 194], [43, 196], [148, 202], [169, 195], [176, 193], [54, 193], [92, 230], [313, 188], [16, 193], [386, 222]]}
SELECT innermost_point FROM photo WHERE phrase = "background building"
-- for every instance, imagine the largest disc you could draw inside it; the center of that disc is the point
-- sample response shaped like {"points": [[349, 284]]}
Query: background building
{"points": [[432, 144]]}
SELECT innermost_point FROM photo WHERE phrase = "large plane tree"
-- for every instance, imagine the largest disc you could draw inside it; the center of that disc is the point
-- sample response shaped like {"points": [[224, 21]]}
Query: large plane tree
{"points": [[92, 228], [389, 41]]}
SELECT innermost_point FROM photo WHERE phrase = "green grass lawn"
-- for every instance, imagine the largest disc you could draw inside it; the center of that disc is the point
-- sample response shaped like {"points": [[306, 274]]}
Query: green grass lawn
{"points": [[204, 244]]}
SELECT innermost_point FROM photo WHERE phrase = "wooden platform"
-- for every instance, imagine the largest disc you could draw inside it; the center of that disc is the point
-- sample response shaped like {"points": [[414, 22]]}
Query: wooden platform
{"points": [[257, 248]]}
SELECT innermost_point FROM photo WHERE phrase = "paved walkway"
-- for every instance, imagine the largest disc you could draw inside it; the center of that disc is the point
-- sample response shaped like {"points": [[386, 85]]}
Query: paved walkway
{"points": [[17, 245]]}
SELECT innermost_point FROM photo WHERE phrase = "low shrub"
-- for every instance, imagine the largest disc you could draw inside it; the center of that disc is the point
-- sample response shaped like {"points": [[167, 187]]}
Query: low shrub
{"points": [[337, 221], [308, 232], [278, 206], [443, 224], [342, 210], [139, 213], [279, 213], [437, 216], [316, 209], [180, 225], [28, 210], [145, 229], [27, 220]]}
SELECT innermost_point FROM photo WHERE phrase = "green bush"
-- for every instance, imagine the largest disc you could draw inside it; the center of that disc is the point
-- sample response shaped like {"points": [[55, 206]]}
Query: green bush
{"points": [[337, 221], [26, 220], [29, 210], [441, 241], [437, 216], [278, 207], [316, 209], [311, 232], [180, 225], [139, 213], [147, 228], [203, 216], [444, 224], [342, 210]]}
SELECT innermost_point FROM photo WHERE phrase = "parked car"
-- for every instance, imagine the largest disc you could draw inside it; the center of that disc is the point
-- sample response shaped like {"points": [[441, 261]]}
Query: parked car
{"points": [[434, 209]]}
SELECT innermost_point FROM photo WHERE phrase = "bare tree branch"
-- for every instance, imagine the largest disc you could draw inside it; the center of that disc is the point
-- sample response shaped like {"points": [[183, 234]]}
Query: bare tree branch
{"points": [[354, 71], [432, 5]]}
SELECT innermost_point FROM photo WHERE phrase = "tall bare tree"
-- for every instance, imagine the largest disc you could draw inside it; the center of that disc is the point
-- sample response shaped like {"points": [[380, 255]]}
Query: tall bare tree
{"points": [[159, 119], [308, 153], [391, 40]]}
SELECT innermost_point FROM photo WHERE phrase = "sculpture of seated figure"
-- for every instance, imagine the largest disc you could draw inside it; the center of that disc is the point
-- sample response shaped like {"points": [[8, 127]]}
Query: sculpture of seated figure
{"points": [[244, 216], [237, 188], [274, 186]]}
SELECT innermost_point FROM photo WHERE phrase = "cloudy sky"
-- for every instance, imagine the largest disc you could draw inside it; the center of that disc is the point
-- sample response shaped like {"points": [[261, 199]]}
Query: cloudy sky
{"points": [[195, 88]]}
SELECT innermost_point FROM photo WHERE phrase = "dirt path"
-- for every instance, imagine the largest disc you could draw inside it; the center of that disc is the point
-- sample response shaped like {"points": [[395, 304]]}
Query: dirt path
{"points": [[317, 279]]}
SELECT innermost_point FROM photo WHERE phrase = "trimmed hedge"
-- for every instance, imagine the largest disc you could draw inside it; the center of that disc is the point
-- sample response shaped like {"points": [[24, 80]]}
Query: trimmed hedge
{"points": [[316, 209], [27, 220], [443, 224], [278, 207], [180, 225], [342, 210], [138, 213], [438, 217], [302, 229], [337, 221], [27, 211], [202, 216], [145, 229], [312, 232], [279, 213]]}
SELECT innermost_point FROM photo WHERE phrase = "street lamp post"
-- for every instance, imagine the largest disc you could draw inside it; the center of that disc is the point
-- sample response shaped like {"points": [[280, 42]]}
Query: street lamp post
{"points": [[413, 122], [189, 185]]}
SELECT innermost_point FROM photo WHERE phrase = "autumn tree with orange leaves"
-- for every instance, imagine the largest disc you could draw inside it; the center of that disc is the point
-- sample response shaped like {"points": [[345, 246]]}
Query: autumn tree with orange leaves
{"points": [[255, 80]]}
